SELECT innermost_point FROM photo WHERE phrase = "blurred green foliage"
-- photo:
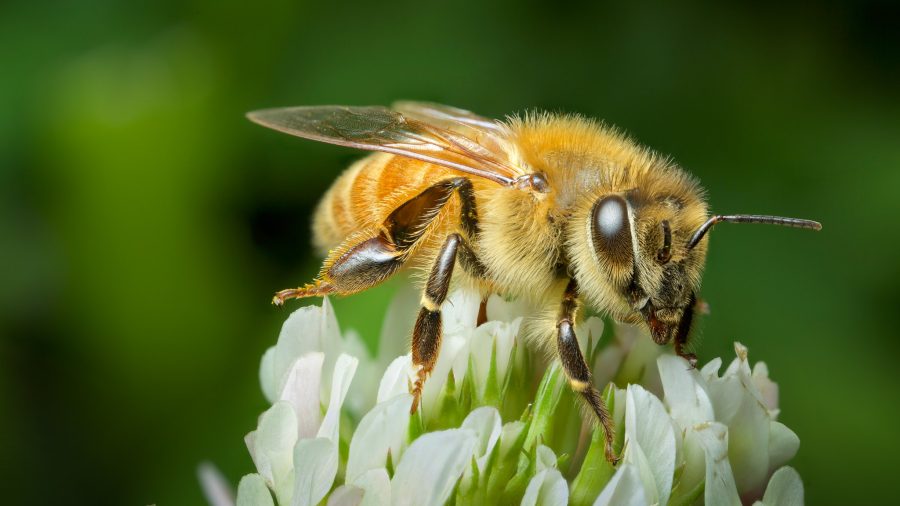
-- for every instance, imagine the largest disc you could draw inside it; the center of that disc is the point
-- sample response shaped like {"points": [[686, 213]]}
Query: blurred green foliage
{"points": [[145, 223]]}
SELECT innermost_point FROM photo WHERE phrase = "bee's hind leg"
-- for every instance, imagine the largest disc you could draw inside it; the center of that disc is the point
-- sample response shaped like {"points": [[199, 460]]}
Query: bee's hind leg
{"points": [[366, 259], [577, 370], [350, 268], [317, 288]]}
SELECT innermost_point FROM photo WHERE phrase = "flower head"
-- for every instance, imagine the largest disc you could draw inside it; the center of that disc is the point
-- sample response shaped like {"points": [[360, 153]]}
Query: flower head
{"points": [[498, 423]]}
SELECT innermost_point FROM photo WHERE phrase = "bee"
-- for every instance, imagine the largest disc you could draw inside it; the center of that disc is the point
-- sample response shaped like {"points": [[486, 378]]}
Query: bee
{"points": [[558, 209]]}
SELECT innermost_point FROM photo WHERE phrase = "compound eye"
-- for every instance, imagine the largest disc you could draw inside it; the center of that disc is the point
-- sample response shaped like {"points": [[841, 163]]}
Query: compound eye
{"points": [[610, 228]]}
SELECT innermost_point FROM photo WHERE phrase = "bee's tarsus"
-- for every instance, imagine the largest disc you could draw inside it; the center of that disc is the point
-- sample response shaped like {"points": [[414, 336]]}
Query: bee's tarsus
{"points": [[317, 288], [577, 370], [691, 360], [612, 458], [417, 397]]}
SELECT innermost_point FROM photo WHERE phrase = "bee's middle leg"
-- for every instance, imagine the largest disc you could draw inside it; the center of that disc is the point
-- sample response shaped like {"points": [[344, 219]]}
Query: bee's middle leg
{"points": [[577, 370], [426, 337]]}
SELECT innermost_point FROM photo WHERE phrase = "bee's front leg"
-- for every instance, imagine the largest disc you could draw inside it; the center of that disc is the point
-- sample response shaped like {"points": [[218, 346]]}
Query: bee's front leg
{"points": [[684, 331], [576, 368]]}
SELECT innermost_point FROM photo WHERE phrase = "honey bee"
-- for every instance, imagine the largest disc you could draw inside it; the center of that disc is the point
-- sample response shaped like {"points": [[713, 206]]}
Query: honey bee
{"points": [[558, 209]]}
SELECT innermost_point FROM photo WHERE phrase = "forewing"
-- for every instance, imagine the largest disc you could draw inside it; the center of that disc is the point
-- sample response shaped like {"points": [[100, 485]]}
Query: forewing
{"points": [[445, 116], [478, 152]]}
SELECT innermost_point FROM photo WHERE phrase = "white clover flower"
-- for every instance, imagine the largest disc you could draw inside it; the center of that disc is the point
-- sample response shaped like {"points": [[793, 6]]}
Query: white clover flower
{"points": [[499, 426]]}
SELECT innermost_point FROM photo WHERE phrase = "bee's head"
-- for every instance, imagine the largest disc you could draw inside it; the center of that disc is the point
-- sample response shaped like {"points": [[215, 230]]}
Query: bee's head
{"points": [[645, 255], [639, 264]]}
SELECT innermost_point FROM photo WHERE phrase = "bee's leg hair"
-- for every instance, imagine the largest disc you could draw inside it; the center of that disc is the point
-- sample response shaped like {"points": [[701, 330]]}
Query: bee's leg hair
{"points": [[363, 262], [406, 224], [426, 337], [577, 370], [316, 288]]}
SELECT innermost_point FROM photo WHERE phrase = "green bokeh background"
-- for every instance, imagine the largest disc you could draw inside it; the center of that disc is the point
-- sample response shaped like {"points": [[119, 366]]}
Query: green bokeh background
{"points": [[144, 223]]}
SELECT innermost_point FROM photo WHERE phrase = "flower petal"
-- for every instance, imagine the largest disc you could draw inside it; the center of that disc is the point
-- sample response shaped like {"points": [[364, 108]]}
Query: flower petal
{"points": [[692, 459], [377, 486], [783, 444], [785, 489], [431, 466], [493, 337], [361, 398], [301, 390], [383, 430], [310, 328], [650, 442], [454, 355], [346, 495], [272, 447], [343, 374], [714, 439], [547, 488], [544, 458], [726, 394], [685, 394], [252, 491], [711, 369], [637, 364], [591, 329], [316, 465], [486, 424], [397, 325], [500, 309], [267, 378], [625, 488], [768, 389], [738, 405], [216, 489], [504, 468], [396, 378], [460, 311]]}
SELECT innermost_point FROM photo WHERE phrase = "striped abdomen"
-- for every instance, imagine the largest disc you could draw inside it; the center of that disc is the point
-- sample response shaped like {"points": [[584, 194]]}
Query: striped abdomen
{"points": [[364, 195]]}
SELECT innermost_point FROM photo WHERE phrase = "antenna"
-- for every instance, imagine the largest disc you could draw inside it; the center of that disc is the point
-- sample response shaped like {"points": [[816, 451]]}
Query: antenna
{"points": [[751, 218]]}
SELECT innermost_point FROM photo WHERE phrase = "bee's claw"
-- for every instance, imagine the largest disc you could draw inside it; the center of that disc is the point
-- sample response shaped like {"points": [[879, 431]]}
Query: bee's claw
{"points": [[611, 456], [701, 307], [691, 359]]}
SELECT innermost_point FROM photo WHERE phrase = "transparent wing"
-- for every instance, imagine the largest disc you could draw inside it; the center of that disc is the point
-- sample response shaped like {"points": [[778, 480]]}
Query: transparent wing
{"points": [[479, 151], [444, 115]]}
